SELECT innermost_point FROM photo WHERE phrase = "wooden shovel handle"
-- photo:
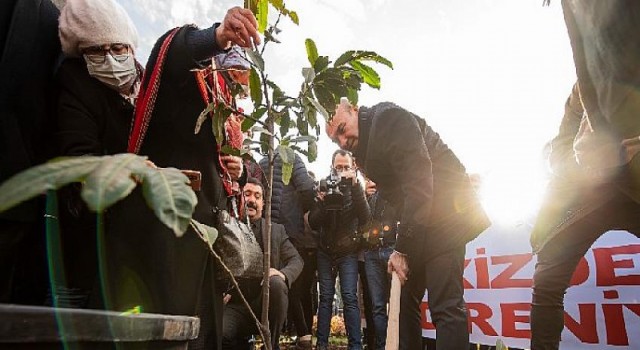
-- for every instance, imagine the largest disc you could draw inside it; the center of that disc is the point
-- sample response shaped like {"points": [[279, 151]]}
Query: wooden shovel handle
{"points": [[394, 314]]}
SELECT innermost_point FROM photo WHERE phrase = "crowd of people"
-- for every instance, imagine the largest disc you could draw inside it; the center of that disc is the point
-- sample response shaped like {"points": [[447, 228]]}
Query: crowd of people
{"points": [[397, 199]]}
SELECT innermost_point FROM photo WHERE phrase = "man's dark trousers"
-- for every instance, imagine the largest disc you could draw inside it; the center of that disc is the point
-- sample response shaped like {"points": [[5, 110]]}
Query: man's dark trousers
{"points": [[558, 259], [237, 323], [442, 277]]}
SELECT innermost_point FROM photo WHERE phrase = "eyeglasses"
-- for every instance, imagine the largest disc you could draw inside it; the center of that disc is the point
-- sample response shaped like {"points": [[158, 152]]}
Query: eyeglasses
{"points": [[341, 168], [98, 53]]}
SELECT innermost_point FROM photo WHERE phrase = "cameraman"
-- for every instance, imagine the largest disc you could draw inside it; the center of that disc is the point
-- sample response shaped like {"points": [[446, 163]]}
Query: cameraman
{"points": [[341, 210]]}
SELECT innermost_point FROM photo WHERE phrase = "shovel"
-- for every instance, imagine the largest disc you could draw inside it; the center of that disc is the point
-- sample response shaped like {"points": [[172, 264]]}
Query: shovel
{"points": [[394, 314]]}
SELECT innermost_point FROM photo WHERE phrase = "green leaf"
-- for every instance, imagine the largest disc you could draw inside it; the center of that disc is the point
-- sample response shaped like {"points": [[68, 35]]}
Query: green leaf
{"points": [[255, 58], [352, 96], [319, 107], [369, 75], [207, 233], [294, 17], [278, 5], [287, 170], [309, 74], [313, 150], [312, 51], [264, 141], [112, 180], [311, 115], [226, 149], [306, 138], [255, 87], [302, 124], [203, 117], [251, 5], [288, 157], [49, 176], [321, 63], [285, 122], [248, 123], [262, 130], [262, 15], [352, 78], [268, 36], [352, 55], [170, 197], [220, 115], [325, 98]]}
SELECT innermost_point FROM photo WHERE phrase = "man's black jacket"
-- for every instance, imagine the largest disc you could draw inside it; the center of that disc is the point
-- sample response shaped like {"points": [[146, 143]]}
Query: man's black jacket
{"points": [[422, 178]]}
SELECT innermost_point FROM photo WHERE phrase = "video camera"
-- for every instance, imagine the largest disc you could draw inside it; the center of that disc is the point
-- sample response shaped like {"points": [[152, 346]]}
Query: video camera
{"points": [[334, 186]]}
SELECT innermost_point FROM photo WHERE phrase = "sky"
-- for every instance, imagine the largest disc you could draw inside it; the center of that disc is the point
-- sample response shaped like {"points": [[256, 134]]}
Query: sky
{"points": [[490, 76]]}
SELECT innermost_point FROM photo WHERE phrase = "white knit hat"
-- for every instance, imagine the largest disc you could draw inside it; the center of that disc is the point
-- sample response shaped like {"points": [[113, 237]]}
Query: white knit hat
{"points": [[86, 23]]}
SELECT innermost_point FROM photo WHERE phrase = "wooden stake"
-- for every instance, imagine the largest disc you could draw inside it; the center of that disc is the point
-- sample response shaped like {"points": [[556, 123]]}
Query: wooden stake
{"points": [[394, 314]]}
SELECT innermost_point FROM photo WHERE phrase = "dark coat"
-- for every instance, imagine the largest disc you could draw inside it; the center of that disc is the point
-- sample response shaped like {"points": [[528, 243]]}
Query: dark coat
{"points": [[93, 119], [290, 202], [284, 256], [29, 48], [147, 264], [422, 178]]}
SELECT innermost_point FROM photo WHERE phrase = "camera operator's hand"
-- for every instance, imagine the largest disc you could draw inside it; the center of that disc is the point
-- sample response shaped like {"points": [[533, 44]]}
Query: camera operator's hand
{"points": [[320, 195], [349, 174], [398, 263]]}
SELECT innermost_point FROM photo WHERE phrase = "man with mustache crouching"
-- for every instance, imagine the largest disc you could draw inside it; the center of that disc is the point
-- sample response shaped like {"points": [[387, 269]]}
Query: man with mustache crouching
{"points": [[286, 265]]}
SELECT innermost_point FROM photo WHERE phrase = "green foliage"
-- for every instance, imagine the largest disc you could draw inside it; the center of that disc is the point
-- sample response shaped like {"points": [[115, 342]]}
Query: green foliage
{"points": [[50, 176], [288, 157], [112, 180], [209, 234], [255, 85], [170, 197], [312, 51], [106, 180]]}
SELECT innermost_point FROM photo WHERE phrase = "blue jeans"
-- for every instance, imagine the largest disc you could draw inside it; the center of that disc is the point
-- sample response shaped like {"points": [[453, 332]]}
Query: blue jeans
{"points": [[378, 284], [328, 268]]}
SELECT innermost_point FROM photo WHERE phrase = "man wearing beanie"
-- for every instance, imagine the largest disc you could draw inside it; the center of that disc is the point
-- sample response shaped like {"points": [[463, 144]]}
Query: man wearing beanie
{"points": [[146, 264]]}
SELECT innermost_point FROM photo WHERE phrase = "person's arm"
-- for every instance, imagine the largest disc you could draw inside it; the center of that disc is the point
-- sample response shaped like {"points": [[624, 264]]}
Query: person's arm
{"points": [[562, 157], [239, 26], [192, 45]]}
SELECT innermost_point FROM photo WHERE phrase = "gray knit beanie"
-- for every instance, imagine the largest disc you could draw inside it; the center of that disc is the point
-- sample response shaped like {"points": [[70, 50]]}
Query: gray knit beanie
{"points": [[86, 23]]}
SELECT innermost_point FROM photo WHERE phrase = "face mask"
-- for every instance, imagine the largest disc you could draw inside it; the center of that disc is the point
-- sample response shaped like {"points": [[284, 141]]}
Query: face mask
{"points": [[118, 73]]}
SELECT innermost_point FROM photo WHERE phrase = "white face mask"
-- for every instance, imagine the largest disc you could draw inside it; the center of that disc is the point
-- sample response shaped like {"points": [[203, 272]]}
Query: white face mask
{"points": [[118, 73]]}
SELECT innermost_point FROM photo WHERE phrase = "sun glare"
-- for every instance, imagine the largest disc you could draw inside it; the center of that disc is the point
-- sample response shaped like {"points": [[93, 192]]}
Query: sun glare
{"points": [[511, 198]]}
